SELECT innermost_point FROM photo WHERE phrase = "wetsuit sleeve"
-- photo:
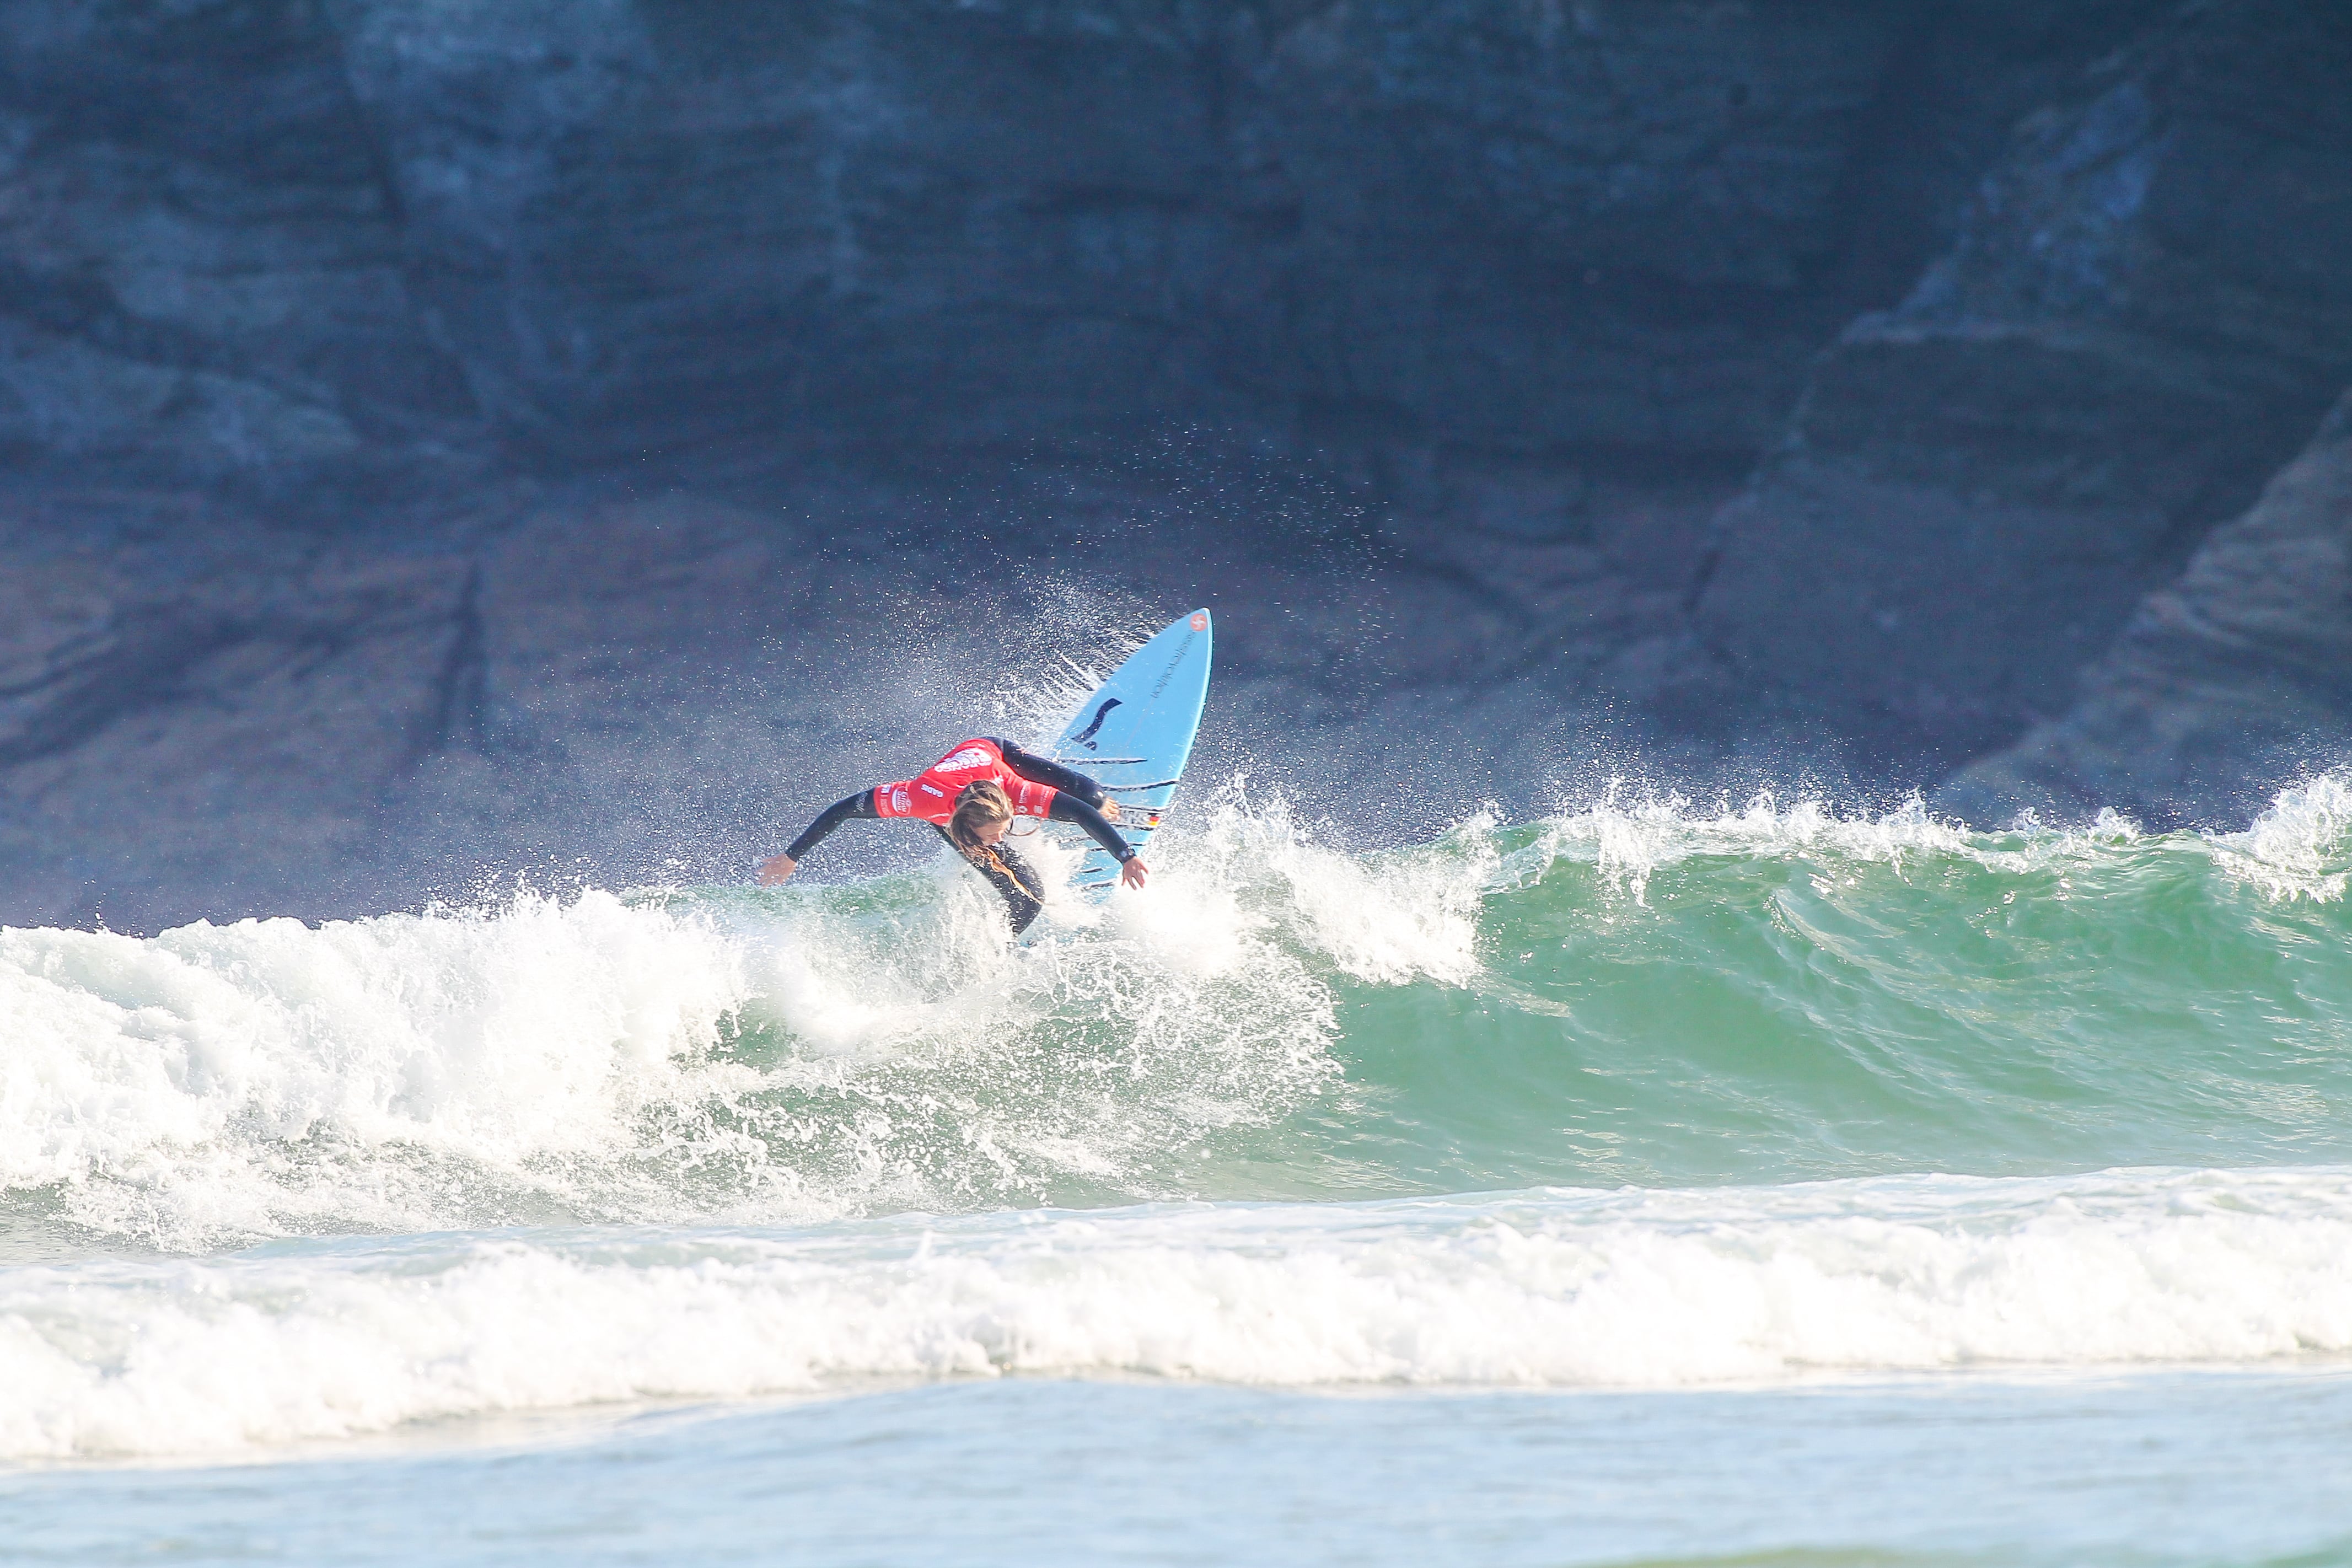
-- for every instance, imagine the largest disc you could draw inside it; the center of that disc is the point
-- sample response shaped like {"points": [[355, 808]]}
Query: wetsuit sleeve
{"points": [[1070, 808], [831, 817], [1044, 770]]}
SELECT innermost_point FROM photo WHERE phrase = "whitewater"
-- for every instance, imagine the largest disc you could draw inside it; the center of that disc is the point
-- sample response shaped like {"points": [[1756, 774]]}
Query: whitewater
{"points": [[1646, 1181]]}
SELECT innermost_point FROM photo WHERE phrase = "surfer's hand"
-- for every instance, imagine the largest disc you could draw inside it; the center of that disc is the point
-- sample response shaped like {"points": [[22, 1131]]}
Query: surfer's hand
{"points": [[773, 871], [1134, 872], [1109, 810]]}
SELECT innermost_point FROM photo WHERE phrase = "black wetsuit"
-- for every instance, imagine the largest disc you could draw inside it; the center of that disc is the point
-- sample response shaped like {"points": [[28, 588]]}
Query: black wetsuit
{"points": [[1077, 799]]}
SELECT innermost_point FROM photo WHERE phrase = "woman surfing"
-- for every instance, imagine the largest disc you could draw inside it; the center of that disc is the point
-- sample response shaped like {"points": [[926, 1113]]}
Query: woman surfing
{"points": [[971, 796]]}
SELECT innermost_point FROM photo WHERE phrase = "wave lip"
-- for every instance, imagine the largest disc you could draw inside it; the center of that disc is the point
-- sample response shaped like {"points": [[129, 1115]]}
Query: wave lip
{"points": [[1907, 1275], [2299, 847]]}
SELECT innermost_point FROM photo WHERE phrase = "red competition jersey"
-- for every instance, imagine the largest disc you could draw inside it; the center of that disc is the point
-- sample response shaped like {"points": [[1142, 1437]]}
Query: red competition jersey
{"points": [[931, 794]]}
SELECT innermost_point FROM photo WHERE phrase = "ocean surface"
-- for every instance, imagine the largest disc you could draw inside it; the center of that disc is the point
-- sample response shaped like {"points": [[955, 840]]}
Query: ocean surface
{"points": [[1647, 1183]]}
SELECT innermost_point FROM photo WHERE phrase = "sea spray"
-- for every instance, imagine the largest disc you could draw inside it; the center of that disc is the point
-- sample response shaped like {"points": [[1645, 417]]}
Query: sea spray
{"points": [[2300, 848]]}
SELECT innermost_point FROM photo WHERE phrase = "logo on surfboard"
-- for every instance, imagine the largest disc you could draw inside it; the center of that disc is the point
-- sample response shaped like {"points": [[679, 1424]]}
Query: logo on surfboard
{"points": [[1085, 737]]}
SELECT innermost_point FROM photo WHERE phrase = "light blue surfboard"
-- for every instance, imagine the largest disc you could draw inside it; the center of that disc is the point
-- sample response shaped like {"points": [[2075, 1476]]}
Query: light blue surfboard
{"points": [[1134, 735]]}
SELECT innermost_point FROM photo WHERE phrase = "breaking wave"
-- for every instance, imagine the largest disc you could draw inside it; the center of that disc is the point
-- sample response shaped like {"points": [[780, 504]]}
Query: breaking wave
{"points": [[1622, 992]]}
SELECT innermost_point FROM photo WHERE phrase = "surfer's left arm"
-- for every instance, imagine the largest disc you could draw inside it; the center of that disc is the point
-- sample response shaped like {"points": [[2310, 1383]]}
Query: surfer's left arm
{"points": [[1069, 781], [1068, 807]]}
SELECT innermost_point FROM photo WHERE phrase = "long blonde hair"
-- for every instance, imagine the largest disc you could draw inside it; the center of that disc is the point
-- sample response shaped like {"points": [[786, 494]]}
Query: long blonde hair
{"points": [[978, 804]]}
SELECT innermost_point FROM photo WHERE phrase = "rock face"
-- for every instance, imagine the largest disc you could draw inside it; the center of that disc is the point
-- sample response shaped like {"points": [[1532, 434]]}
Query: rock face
{"points": [[2235, 673], [2146, 311], [203, 271], [435, 430], [226, 713], [925, 223], [600, 226]]}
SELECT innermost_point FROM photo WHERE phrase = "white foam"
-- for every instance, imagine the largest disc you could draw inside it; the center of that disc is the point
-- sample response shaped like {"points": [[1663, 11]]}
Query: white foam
{"points": [[2300, 846], [1559, 1289], [1392, 918], [714, 1054], [244, 1077]]}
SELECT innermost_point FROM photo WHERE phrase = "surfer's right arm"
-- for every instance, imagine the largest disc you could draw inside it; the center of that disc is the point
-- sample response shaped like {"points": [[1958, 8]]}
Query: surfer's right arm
{"points": [[773, 870], [1068, 781], [1068, 807], [1079, 799]]}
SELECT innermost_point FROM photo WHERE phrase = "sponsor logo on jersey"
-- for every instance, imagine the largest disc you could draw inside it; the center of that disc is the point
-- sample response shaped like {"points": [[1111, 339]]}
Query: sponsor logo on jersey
{"points": [[969, 757], [899, 798], [934, 789]]}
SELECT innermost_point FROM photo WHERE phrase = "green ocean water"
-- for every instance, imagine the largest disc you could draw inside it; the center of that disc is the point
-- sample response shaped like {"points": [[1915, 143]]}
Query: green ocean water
{"points": [[1993, 1005]]}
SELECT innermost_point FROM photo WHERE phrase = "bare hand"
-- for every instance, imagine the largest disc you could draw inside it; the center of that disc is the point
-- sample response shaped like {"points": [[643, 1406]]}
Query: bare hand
{"points": [[1134, 872], [1109, 810], [773, 870]]}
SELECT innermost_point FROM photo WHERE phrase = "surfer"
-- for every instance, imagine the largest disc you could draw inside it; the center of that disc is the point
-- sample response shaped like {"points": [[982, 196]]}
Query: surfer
{"points": [[971, 796]]}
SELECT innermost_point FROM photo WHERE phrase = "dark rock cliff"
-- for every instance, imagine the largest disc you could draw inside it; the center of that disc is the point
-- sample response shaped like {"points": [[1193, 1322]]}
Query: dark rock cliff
{"points": [[2145, 312], [362, 361], [2223, 682], [597, 226]]}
